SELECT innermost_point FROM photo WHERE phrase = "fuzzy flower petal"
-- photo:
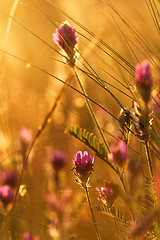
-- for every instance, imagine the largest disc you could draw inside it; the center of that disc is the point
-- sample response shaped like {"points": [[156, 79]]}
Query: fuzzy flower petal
{"points": [[143, 80], [119, 154], [65, 37], [108, 193], [83, 166], [6, 194]]}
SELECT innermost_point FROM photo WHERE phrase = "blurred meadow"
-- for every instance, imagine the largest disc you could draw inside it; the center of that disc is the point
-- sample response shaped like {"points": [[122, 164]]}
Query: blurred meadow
{"points": [[112, 38]]}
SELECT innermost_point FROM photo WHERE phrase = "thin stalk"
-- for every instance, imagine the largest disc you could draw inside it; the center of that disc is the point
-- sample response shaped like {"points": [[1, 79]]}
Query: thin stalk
{"points": [[128, 197], [91, 210], [149, 159], [38, 133], [90, 109], [94, 118]]}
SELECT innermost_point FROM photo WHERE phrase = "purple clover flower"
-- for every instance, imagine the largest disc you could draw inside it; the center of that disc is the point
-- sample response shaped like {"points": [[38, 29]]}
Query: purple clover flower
{"points": [[83, 167], [58, 160], [6, 194], [8, 178], [27, 236], [108, 193], [119, 153], [65, 37], [143, 80]]}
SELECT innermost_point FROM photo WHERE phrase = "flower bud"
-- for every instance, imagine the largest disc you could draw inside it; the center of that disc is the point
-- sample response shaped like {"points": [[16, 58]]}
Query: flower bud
{"points": [[65, 37], [27, 236], [6, 194], [83, 167], [58, 160], [108, 193], [119, 154], [143, 80], [8, 178]]}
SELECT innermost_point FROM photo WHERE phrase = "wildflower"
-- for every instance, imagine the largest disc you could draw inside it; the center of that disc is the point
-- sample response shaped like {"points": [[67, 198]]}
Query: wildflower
{"points": [[26, 136], [119, 154], [55, 205], [65, 37], [8, 178], [6, 194], [83, 167], [25, 139], [143, 80], [109, 193], [52, 201], [27, 236], [58, 160]]}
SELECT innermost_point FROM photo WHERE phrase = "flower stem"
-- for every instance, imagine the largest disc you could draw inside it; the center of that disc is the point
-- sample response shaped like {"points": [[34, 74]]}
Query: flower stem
{"points": [[91, 110], [128, 197], [91, 210]]}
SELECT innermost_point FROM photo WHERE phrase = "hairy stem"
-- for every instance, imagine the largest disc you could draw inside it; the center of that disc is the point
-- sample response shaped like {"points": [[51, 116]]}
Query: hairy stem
{"points": [[91, 210], [90, 109]]}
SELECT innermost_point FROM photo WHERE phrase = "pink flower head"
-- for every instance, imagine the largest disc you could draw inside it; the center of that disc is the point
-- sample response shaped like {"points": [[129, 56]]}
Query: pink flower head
{"points": [[8, 178], [27, 236], [25, 136], [52, 202], [83, 166], [108, 193], [119, 153], [143, 80], [6, 194], [65, 37], [58, 160]]}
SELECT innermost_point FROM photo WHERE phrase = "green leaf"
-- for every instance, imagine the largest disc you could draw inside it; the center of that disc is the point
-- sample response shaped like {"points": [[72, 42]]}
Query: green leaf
{"points": [[114, 212], [148, 203]]}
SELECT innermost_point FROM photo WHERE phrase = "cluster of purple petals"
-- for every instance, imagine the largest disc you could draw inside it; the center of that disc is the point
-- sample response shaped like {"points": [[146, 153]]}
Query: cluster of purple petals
{"points": [[119, 153], [83, 164], [107, 194], [8, 177], [27, 236], [58, 160], [143, 79], [65, 37], [6, 194]]}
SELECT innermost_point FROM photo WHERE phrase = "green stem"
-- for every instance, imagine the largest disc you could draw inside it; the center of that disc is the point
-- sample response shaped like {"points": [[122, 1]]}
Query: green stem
{"points": [[95, 120], [90, 109], [149, 159], [91, 210], [128, 197]]}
